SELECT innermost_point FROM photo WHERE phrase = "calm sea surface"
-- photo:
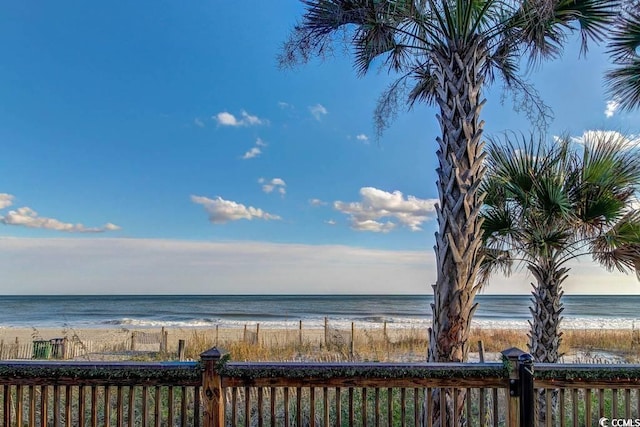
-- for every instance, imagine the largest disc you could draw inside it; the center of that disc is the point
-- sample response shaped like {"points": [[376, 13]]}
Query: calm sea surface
{"points": [[284, 311]]}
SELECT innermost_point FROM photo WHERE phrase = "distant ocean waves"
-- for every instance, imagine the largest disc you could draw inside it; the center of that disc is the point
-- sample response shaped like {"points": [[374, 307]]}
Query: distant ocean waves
{"points": [[286, 311], [371, 323]]}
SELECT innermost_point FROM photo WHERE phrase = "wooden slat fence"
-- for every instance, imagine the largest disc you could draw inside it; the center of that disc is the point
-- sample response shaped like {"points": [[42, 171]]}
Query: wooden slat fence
{"points": [[100, 394], [141, 340], [581, 395], [71, 349]]}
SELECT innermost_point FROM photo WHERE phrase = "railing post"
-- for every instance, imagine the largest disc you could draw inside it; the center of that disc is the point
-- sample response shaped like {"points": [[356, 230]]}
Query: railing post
{"points": [[512, 356], [527, 399], [213, 397]]}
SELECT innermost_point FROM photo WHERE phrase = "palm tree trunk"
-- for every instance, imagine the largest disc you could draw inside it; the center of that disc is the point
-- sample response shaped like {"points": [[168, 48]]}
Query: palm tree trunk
{"points": [[460, 171], [545, 336]]}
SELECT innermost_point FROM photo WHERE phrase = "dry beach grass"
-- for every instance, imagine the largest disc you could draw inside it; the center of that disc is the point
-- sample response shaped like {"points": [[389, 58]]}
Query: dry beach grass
{"points": [[408, 345]]}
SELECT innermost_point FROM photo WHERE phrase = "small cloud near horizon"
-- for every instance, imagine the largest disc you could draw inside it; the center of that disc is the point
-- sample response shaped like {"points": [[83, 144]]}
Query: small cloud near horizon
{"points": [[222, 211], [27, 217], [376, 204], [6, 200]]}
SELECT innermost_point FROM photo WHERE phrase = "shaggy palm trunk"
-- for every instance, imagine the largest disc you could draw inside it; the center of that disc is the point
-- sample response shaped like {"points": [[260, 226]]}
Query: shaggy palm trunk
{"points": [[545, 336], [460, 157]]}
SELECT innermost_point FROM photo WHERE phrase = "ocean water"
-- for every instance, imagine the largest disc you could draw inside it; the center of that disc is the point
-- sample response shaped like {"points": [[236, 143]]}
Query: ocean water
{"points": [[285, 311]]}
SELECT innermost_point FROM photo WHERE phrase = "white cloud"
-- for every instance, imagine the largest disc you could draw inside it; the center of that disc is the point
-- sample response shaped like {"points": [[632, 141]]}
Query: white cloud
{"points": [[27, 217], [6, 200], [225, 118], [318, 111], [198, 122], [612, 107], [249, 119], [607, 135], [330, 222], [377, 204], [374, 226], [39, 266], [143, 266], [284, 105], [221, 211], [253, 152], [275, 184], [362, 137], [317, 202]]}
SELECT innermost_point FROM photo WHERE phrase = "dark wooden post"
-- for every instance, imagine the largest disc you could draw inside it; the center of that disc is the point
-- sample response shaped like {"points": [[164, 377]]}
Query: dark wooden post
{"points": [[527, 393], [164, 341], [521, 396], [213, 397], [326, 332], [181, 350], [353, 339], [300, 334]]}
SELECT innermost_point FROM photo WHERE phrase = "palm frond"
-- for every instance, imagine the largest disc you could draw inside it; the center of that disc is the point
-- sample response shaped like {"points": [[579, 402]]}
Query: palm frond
{"points": [[594, 18], [619, 248], [543, 25], [493, 261], [625, 35], [425, 86], [623, 81], [624, 85], [373, 40]]}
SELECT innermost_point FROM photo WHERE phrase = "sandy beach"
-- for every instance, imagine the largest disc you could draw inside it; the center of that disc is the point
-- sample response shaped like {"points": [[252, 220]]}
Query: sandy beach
{"points": [[253, 343]]}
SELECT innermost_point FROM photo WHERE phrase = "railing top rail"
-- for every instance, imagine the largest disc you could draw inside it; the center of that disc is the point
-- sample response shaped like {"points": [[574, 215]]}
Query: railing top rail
{"points": [[82, 364], [362, 374], [65, 372], [586, 366], [420, 365], [559, 374]]}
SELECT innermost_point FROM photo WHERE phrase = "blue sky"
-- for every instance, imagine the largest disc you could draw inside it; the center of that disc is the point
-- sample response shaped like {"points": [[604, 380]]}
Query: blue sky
{"points": [[145, 142]]}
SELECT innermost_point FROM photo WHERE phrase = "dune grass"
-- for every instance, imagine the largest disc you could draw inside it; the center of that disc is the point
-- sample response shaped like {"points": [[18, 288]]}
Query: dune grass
{"points": [[408, 345]]}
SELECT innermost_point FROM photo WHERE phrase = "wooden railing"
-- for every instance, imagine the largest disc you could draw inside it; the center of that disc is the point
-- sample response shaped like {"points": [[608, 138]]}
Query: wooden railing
{"points": [[214, 393], [104, 394], [583, 395]]}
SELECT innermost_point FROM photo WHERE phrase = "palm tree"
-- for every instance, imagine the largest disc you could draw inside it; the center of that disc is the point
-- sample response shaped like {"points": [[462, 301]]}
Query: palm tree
{"points": [[549, 204], [624, 46], [445, 52]]}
